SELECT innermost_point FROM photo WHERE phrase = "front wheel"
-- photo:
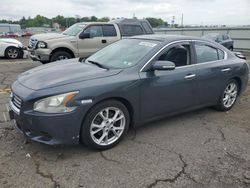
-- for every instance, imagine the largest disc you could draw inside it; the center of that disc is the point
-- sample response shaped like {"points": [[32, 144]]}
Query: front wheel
{"points": [[59, 56], [105, 125], [229, 96]]}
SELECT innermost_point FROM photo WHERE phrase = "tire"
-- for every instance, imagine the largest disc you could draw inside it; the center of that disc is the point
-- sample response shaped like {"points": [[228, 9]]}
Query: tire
{"points": [[59, 56], [13, 52], [222, 104], [98, 127], [44, 62]]}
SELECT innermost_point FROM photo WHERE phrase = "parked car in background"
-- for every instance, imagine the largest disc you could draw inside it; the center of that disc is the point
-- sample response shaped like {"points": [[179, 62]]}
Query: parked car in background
{"points": [[130, 82], [222, 39], [2, 34], [11, 48], [12, 35], [83, 39], [26, 34]]}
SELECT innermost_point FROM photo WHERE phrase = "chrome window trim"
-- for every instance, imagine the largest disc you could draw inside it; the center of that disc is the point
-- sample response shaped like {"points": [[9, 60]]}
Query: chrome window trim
{"points": [[169, 44]]}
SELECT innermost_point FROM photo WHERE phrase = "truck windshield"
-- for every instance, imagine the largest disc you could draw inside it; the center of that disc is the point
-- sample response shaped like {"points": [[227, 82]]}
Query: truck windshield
{"points": [[74, 30], [123, 54]]}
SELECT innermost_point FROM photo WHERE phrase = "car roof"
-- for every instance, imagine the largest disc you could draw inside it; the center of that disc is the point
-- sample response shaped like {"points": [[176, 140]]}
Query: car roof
{"points": [[167, 38]]}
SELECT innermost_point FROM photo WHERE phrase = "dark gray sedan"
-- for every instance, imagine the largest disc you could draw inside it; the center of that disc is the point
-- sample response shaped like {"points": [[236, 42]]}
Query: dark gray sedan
{"points": [[128, 83], [222, 39]]}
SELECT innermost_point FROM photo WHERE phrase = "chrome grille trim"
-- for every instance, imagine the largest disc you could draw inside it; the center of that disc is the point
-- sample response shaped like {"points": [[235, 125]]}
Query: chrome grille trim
{"points": [[32, 43], [17, 101]]}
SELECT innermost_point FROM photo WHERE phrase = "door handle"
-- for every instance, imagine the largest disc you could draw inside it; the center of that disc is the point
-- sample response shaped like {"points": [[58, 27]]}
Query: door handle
{"points": [[225, 69], [104, 41], [190, 76]]}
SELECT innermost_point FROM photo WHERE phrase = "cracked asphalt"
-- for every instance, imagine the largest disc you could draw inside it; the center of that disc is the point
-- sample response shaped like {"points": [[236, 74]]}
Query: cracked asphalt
{"points": [[203, 148]]}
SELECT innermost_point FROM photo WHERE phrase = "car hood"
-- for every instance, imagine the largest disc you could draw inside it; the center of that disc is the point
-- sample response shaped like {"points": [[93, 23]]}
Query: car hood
{"points": [[62, 73], [48, 36], [11, 41]]}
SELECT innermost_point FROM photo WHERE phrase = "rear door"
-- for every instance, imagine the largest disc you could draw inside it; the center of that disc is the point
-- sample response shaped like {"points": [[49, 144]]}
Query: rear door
{"points": [[213, 72]]}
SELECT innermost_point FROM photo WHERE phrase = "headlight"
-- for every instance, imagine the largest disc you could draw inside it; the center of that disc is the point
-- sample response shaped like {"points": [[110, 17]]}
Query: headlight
{"points": [[55, 104], [42, 44]]}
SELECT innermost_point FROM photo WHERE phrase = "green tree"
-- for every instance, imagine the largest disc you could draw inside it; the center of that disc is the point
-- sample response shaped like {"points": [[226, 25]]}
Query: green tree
{"points": [[156, 22], [93, 18], [103, 19]]}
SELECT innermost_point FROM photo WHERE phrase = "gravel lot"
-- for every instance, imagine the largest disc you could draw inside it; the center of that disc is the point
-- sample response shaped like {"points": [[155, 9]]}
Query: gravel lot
{"points": [[203, 148]]}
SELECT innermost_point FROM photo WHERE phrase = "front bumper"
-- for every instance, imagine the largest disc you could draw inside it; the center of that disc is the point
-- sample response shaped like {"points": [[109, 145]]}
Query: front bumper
{"points": [[39, 54], [51, 129]]}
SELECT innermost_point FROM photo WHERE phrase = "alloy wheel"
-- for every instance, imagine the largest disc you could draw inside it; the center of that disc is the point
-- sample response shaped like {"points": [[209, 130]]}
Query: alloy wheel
{"points": [[230, 95], [107, 126], [12, 53]]}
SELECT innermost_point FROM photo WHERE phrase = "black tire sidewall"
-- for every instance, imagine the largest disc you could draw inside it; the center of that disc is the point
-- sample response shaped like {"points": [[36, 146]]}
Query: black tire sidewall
{"points": [[59, 53], [12, 47], [220, 106], [85, 131]]}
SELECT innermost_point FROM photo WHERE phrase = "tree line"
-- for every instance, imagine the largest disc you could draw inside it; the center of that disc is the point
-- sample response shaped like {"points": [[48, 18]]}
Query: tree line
{"points": [[64, 22]]}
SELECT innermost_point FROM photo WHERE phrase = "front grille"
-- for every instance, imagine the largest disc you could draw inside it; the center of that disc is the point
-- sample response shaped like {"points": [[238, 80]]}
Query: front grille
{"points": [[32, 43], [17, 101]]}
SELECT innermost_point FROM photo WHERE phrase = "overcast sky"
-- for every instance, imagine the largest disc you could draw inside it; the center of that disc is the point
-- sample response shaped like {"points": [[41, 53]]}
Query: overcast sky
{"points": [[201, 12]]}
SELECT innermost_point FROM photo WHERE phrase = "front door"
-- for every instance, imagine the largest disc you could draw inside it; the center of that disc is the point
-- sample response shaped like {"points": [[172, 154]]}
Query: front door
{"points": [[165, 92], [99, 37]]}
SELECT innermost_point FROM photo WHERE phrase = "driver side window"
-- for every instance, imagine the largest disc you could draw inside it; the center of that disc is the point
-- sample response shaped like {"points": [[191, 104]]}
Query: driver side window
{"points": [[178, 54], [94, 31]]}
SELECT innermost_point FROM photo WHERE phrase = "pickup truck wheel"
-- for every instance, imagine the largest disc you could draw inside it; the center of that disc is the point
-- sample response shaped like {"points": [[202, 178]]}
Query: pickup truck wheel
{"points": [[60, 55], [13, 52]]}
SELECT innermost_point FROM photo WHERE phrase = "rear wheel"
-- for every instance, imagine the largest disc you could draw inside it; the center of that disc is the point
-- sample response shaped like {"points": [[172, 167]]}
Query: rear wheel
{"points": [[60, 55], [229, 96], [105, 125], [13, 52]]}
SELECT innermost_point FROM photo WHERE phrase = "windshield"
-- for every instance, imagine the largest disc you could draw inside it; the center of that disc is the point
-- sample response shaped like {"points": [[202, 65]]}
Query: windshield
{"points": [[74, 29], [123, 54]]}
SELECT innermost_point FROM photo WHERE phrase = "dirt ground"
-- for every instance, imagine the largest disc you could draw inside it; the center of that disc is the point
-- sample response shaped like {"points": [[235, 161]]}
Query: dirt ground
{"points": [[203, 148]]}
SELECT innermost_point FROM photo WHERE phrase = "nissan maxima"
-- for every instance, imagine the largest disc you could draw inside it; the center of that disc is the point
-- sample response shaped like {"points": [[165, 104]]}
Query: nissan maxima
{"points": [[95, 100]]}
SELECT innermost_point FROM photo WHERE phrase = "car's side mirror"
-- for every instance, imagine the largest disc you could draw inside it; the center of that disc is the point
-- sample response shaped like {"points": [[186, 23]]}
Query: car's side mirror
{"points": [[84, 35], [163, 65]]}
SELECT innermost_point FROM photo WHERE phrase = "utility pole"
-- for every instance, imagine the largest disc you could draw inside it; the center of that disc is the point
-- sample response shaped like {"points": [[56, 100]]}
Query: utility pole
{"points": [[182, 17]]}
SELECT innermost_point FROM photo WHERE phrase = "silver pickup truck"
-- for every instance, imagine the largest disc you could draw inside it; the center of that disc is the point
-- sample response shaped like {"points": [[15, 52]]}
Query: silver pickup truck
{"points": [[83, 39]]}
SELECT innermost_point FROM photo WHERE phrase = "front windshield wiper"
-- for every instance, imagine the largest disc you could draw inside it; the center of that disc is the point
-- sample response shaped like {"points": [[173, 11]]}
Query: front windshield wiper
{"points": [[98, 64]]}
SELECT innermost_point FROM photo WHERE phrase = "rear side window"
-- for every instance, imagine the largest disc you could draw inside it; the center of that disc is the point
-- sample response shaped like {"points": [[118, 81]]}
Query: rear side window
{"points": [[205, 53], [130, 30], [109, 31], [147, 28]]}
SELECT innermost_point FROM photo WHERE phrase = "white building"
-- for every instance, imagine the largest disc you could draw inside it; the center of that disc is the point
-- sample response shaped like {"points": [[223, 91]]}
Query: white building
{"points": [[9, 28]]}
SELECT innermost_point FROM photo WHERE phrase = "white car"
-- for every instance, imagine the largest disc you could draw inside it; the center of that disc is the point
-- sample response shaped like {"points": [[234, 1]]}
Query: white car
{"points": [[11, 48]]}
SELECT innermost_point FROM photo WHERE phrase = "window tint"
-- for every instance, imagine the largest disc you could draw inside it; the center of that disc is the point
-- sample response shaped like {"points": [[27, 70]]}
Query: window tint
{"points": [[205, 53], [147, 28], [130, 30], [220, 54], [109, 31], [94, 31], [179, 54]]}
